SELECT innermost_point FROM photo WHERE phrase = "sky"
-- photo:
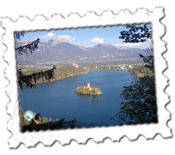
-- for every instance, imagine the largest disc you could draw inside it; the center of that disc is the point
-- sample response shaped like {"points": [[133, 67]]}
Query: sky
{"points": [[87, 37]]}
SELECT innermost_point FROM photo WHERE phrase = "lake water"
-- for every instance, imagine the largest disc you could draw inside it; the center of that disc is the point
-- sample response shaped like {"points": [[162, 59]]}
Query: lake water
{"points": [[59, 100]]}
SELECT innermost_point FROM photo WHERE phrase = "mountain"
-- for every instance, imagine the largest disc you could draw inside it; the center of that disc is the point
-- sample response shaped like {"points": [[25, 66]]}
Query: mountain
{"points": [[62, 52]]}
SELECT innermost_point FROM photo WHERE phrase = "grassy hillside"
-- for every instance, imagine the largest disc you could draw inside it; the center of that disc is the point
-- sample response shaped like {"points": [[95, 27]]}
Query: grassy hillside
{"points": [[60, 73]]}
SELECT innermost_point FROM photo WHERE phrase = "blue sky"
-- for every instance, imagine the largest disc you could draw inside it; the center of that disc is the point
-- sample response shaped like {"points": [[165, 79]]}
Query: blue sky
{"points": [[86, 37]]}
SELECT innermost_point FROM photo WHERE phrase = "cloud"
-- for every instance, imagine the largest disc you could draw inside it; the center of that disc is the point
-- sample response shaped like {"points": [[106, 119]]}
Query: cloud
{"points": [[66, 38], [98, 40], [146, 44], [49, 35]]}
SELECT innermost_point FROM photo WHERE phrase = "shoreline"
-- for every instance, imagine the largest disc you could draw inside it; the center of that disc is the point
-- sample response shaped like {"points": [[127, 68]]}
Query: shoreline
{"points": [[67, 77], [59, 79], [80, 74]]}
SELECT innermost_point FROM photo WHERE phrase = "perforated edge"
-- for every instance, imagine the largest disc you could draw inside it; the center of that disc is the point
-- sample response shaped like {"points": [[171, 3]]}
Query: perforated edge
{"points": [[156, 144]]}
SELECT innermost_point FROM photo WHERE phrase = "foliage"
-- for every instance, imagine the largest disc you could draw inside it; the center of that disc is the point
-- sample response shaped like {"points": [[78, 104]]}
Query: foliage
{"points": [[139, 105], [88, 91], [148, 59], [136, 33], [30, 80], [18, 35], [60, 73], [24, 49], [22, 118], [142, 94], [139, 99], [44, 123], [140, 71]]}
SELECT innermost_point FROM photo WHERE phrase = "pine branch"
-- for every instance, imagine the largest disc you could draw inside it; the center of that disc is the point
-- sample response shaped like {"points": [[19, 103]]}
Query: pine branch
{"points": [[18, 35], [24, 49], [31, 80]]}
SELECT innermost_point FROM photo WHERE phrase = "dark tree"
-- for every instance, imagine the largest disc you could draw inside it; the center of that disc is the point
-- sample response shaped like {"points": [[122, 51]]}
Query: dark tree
{"points": [[45, 123], [136, 33], [30, 80], [148, 59], [18, 35], [139, 105], [23, 49]]}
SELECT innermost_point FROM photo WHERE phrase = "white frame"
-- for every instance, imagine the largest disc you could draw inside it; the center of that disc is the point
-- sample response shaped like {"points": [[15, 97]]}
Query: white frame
{"points": [[98, 134]]}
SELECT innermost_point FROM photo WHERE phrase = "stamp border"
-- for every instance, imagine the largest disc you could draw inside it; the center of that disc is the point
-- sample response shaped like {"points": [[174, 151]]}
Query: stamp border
{"points": [[155, 144]]}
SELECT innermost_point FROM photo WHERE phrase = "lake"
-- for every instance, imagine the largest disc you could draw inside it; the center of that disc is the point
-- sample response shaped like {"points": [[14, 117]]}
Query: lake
{"points": [[58, 99]]}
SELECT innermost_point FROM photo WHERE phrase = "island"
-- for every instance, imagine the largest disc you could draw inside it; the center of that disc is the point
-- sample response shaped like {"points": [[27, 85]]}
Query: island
{"points": [[88, 90]]}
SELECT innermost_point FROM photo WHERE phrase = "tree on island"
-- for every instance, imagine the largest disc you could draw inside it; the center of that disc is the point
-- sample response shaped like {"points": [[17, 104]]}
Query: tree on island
{"points": [[139, 105]]}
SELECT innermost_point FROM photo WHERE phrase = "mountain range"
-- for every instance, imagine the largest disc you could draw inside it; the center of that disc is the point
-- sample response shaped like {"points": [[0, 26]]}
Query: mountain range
{"points": [[65, 52]]}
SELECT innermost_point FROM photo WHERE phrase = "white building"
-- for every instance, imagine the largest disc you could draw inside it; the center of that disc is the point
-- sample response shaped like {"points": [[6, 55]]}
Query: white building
{"points": [[75, 65], [88, 85], [130, 66], [122, 67]]}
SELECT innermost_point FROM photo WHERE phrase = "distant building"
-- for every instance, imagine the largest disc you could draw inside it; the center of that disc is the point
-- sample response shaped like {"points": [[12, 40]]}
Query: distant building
{"points": [[130, 66], [122, 67], [75, 65], [88, 85]]}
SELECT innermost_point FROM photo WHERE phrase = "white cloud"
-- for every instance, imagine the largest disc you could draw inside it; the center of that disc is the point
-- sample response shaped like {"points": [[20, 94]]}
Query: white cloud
{"points": [[98, 40], [66, 38], [146, 44], [49, 35]]}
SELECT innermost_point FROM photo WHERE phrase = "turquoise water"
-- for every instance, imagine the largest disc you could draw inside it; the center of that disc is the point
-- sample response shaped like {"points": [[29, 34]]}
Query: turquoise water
{"points": [[59, 100]]}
